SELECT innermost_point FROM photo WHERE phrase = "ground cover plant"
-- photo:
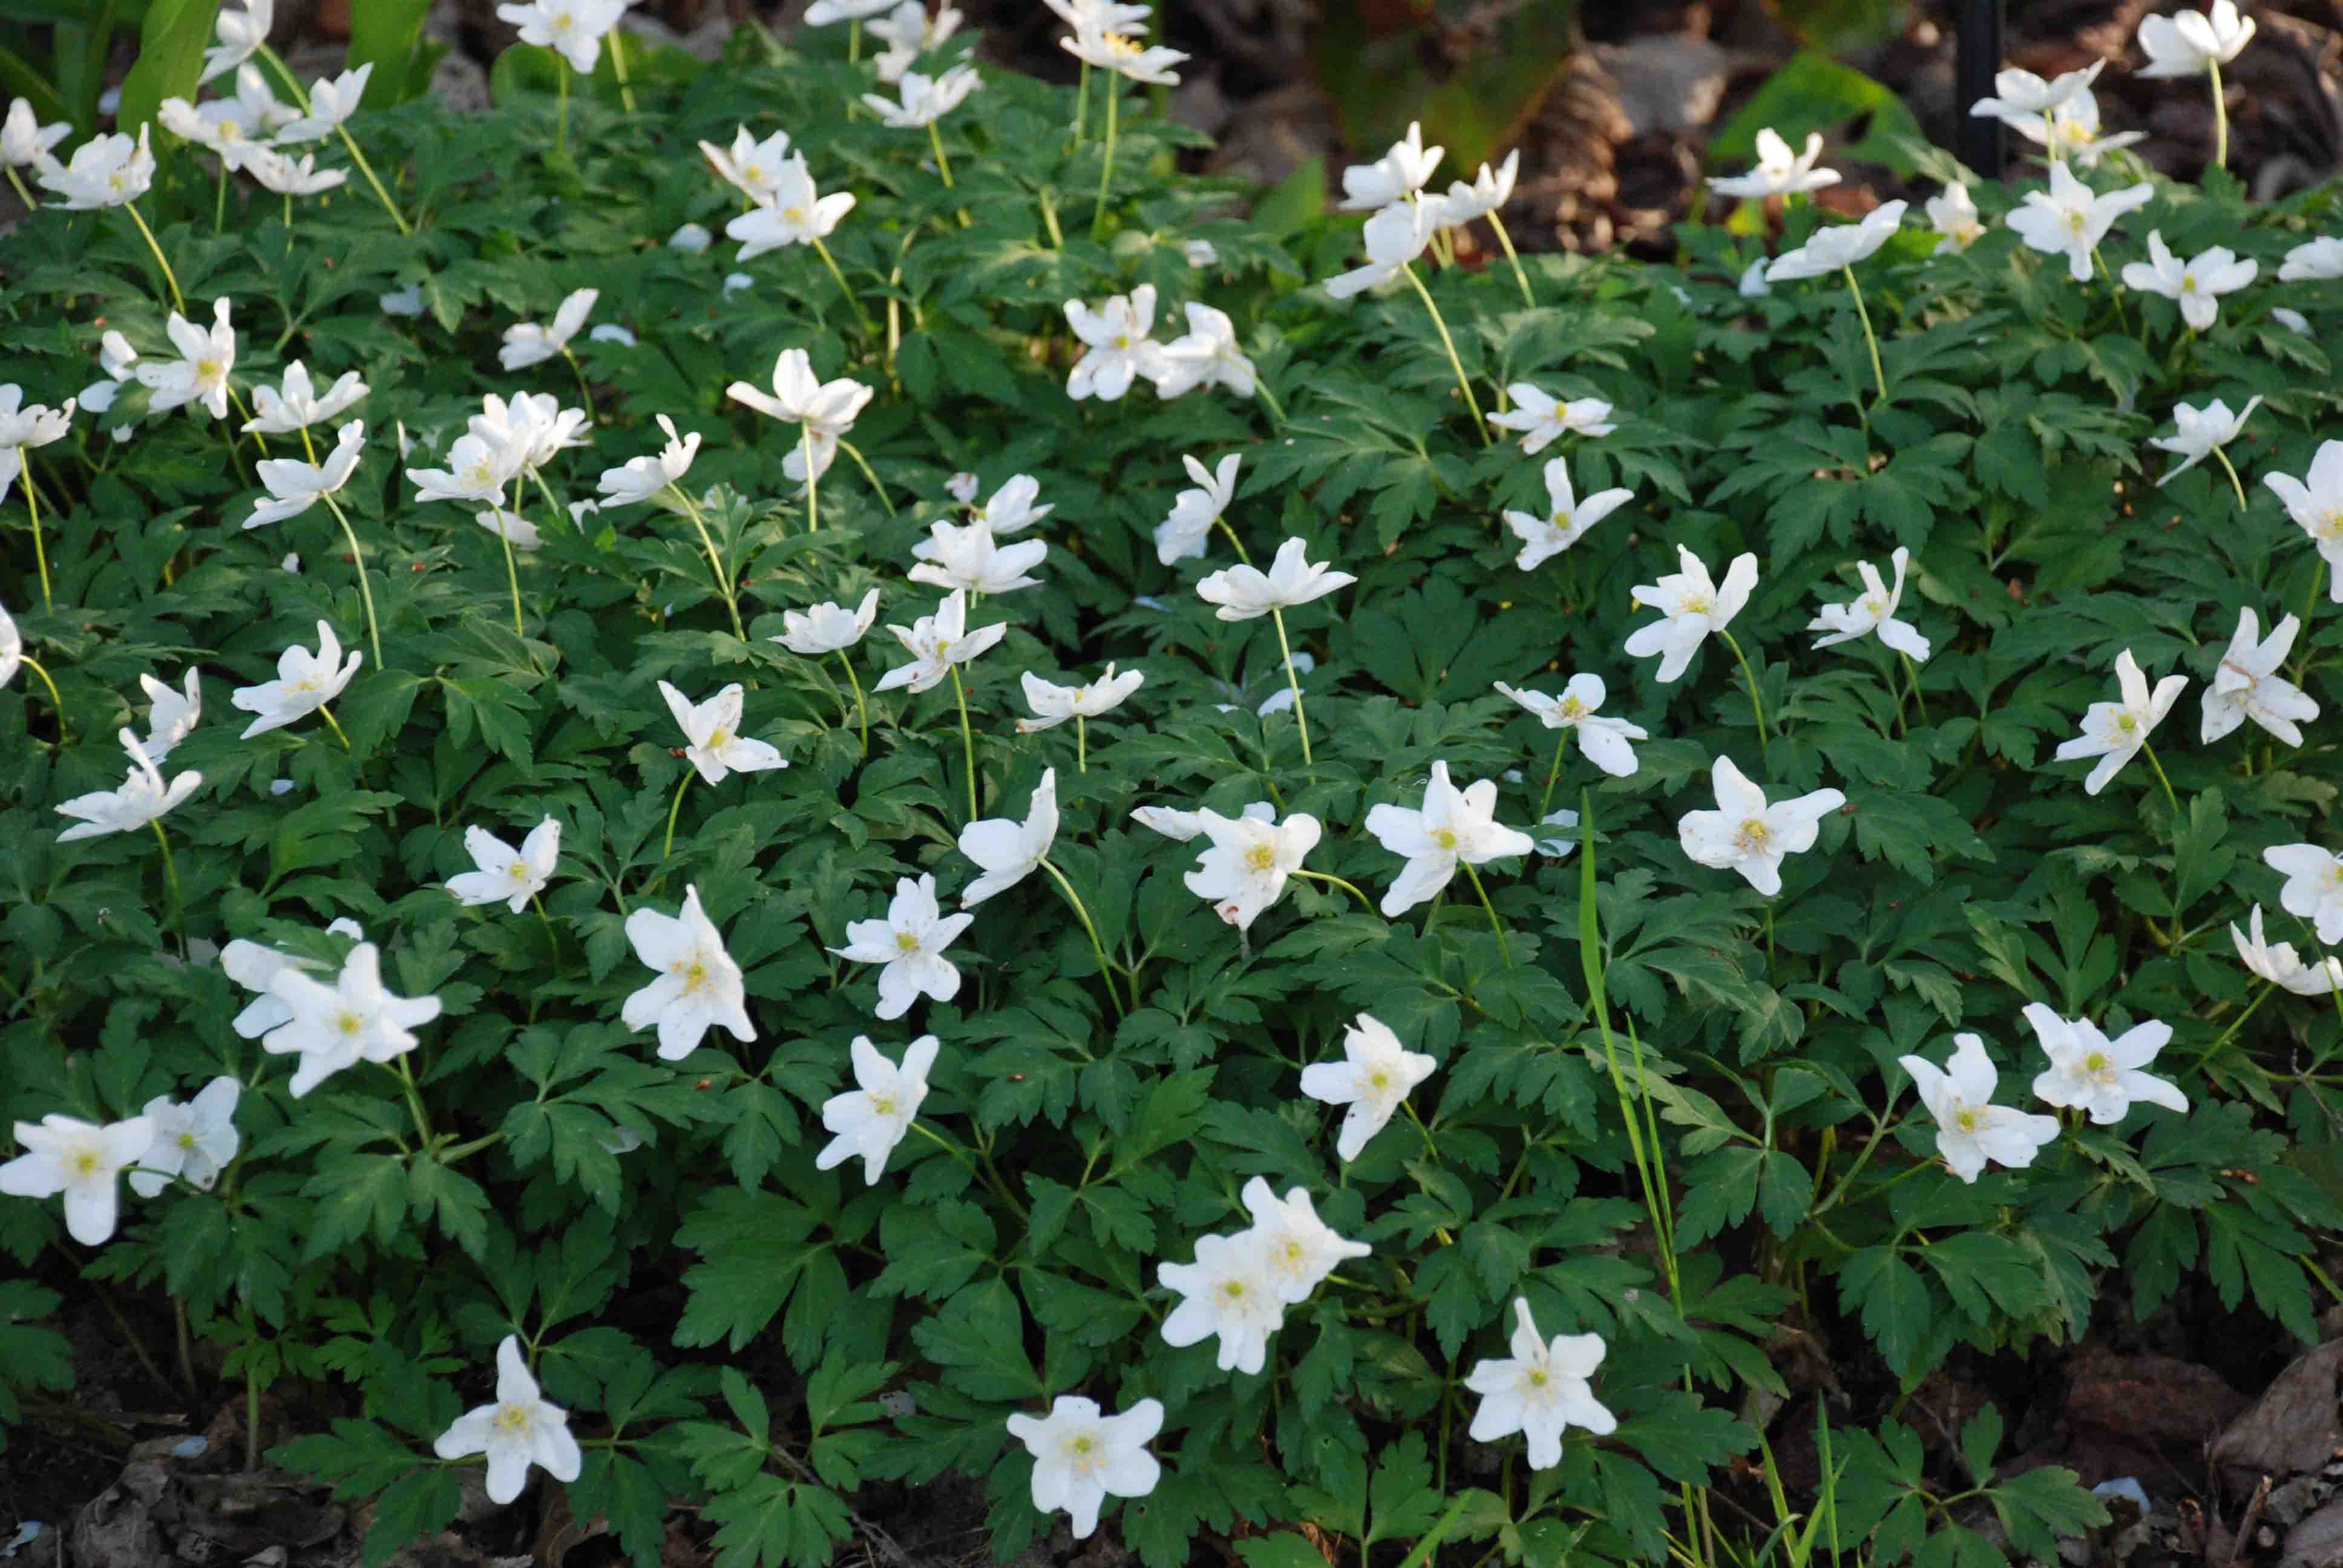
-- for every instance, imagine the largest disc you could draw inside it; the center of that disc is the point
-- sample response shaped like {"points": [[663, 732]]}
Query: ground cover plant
{"points": [[828, 781]]}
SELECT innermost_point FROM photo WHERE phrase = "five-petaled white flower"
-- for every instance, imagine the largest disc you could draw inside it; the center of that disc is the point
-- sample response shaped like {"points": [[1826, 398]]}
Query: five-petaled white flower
{"points": [[80, 1160], [1011, 509], [1117, 348], [332, 101], [297, 405], [1490, 189], [1245, 869], [571, 28], [1453, 827], [2196, 286], [241, 34], [922, 100], [2314, 886], [1874, 613], [1393, 237], [478, 469], [639, 479], [2071, 131], [1540, 419], [252, 965], [1053, 705], [2198, 434], [305, 682], [2315, 502], [1081, 1458], [171, 716], [143, 798], [1193, 512], [1690, 605], [910, 32], [827, 627], [2280, 965], [795, 212], [2092, 1073], [236, 128], [1127, 56], [1007, 852], [2070, 219], [1296, 1249], [1779, 170], [2247, 684], [506, 875], [964, 556], [938, 642], [194, 1141], [1953, 213], [295, 485], [335, 1026], [103, 171], [1604, 740], [529, 342], [520, 1429], [2020, 92], [1227, 1292], [25, 142], [284, 175], [1839, 245], [1544, 537], [2191, 43], [2313, 261], [1746, 835], [1372, 1079], [699, 985], [718, 747], [1970, 1128], [2115, 732], [200, 373], [1206, 356], [1541, 1391], [826, 409], [910, 942], [752, 166], [869, 1119], [1246, 593], [1398, 174], [24, 425]]}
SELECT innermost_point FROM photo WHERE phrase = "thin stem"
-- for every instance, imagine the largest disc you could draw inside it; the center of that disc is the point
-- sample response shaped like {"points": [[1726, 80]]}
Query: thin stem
{"points": [[861, 706], [366, 591], [854, 41], [843, 287], [619, 69], [967, 740], [1520, 276], [512, 569], [1756, 704], [585, 393], [350, 142], [943, 164], [708, 543], [2114, 289], [2214, 1050], [547, 920], [1261, 389], [1295, 681], [54, 700], [676, 809], [1913, 673], [1870, 338], [1081, 744], [1239, 543], [41, 557], [219, 199], [1082, 105], [1462, 385], [171, 879], [851, 450], [179, 300], [1106, 165], [21, 194], [1106, 971], [2235, 483], [2220, 117], [414, 1099], [335, 725], [813, 481], [1503, 947], [1337, 881], [1412, 1115], [2173, 800], [561, 123], [1561, 745]]}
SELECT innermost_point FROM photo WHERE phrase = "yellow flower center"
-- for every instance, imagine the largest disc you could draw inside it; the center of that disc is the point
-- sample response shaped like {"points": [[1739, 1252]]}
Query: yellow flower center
{"points": [[1753, 837], [1378, 1080], [2127, 723], [2097, 1065], [1259, 858], [1233, 1289], [187, 1140], [348, 1023], [1697, 604], [1538, 1377], [87, 1163], [207, 369], [1122, 46], [2188, 283], [512, 1418], [883, 1104], [1573, 709], [2330, 526], [2077, 220], [794, 214], [695, 975], [1445, 838], [908, 942], [1965, 1119], [717, 739]]}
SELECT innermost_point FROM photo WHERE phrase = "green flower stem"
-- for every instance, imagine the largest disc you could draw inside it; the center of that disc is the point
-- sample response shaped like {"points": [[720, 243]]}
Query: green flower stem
{"points": [[1433, 1149], [585, 392], [1081, 744], [171, 881], [877, 488], [414, 1099], [715, 562], [21, 194], [2114, 289], [54, 700], [259, 442], [1239, 543], [547, 920], [619, 69], [561, 122], [1756, 703], [1911, 673], [869, 327], [1561, 745], [861, 706], [1293, 680], [2214, 1050], [943, 164], [335, 725], [988, 1175], [1503, 947], [219, 200], [967, 740], [854, 41], [2235, 483], [1870, 338], [1082, 105], [675, 810], [179, 300], [40, 555], [813, 481], [2220, 117], [1261, 390], [1106, 165], [1498, 223], [512, 569], [1440, 322], [350, 142], [1106, 970], [2172, 799], [1337, 881], [366, 591]]}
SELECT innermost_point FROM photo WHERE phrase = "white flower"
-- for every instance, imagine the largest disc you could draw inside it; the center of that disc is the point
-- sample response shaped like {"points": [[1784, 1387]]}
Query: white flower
{"points": [[734, 282], [1193, 512], [1540, 419], [1454, 827], [24, 425], [1372, 1079], [910, 942], [12, 647], [1245, 869], [195, 1141], [718, 748], [1399, 173], [611, 332], [1540, 1391], [825, 13], [335, 1026], [520, 1429], [692, 238], [1970, 1129], [103, 171], [2071, 131], [143, 798], [2195, 285], [2315, 502], [1746, 835], [1181, 827], [1081, 1458], [530, 430], [1007, 852], [572, 28], [2247, 685], [525, 535], [965, 557], [2018, 93], [332, 100], [1200, 253], [236, 128], [1544, 537], [1296, 1250], [2070, 220], [2294, 321], [871, 1118], [639, 479], [2197, 433], [753, 167], [1752, 284], [117, 359], [827, 628], [305, 682], [2193, 41], [937, 642], [961, 488], [1778, 171], [699, 985], [2314, 886], [531, 343], [910, 32], [297, 405], [1839, 245], [1488, 193], [252, 966], [1563, 841], [25, 142], [2280, 966], [2313, 261], [1206, 356], [1691, 606], [1874, 613], [507, 875], [1394, 236], [1604, 740], [1118, 349], [200, 374], [80, 1160], [295, 485], [923, 101], [1246, 593], [1011, 509], [1227, 1292], [2103, 1076], [2114, 732], [1127, 56], [826, 409], [170, 720], [1953, 213], [241, 34], [1053, 705], [796, 214]]}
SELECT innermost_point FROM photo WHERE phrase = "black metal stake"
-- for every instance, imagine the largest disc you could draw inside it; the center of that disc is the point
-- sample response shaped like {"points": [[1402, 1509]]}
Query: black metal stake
{"points": [[1976, 55]]}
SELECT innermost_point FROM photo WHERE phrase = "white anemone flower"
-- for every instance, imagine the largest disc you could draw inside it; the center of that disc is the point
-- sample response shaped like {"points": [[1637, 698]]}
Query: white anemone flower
{"points": [[1873, 614], [1691, 605], [1540, 419], [1372, 1082], [1540, 1391], [2278, 962], [2091, 1073], [2198, 433], [2247, 684], [910, 945], [82, 1161], [1194, 512], [1006, 851], [194, 1142], [1053, 705], [2195, 285], [1398, 174], [305, 682], [1228, 1293], [827, 628], [1604, 740], [506, 875], [520, 1430], [698, 986], [1567, 520], [1747, 835], [1453, 828], [1972, 1130], [870, 1119], [718, 748], [1245, 870], [1778, 171], [1118, 349], [1081, 1458], [531, 343]]}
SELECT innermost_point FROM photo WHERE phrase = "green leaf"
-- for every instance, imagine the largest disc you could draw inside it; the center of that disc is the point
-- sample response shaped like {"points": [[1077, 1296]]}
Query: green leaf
{"points": [[386, 34], [171, 46]]}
